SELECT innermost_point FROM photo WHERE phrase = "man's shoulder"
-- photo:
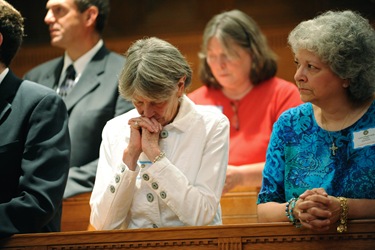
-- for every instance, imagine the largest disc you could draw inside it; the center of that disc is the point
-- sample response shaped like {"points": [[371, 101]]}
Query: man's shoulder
{"points": [[116, 57], [43, 67], [31, 88]]}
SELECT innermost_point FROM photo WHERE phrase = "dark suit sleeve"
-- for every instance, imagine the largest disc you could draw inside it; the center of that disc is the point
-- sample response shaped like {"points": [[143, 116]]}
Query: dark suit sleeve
{"points": [[81, 179], [122, 106], [44, 170]]}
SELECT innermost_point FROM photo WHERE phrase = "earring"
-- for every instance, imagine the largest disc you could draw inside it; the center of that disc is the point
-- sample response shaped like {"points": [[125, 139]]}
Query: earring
{"points": [[346, 83]]}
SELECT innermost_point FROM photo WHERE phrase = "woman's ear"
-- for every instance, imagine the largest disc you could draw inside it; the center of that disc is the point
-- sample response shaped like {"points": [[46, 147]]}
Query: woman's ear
{"points": [[181, 86]]}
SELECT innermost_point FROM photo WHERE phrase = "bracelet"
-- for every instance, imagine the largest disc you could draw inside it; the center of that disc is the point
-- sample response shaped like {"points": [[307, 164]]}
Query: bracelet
{"points": [[289, 212], [342, 227], [159, 157]]}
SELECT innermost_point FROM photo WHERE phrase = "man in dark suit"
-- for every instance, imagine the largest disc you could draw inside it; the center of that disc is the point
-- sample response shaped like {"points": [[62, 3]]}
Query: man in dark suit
{"points": [[92, 98], [34, 143]]}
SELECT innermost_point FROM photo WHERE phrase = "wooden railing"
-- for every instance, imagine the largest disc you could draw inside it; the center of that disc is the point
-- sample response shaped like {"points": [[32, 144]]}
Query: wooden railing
{"points": [[360, 235]]}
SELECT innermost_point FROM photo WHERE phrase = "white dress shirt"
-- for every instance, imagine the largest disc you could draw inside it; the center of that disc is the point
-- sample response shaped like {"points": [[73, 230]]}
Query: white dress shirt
{"points": [[81, 63], [3, 74], [182, 189]]}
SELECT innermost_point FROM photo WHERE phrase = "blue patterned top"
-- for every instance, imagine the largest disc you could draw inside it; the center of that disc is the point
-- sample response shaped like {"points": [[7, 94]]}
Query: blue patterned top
{"points": [[299, 157]]}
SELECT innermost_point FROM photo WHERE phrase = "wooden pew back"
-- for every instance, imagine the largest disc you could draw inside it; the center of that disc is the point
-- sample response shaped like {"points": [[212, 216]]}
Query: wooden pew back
{"points": [[76, 213], [238, 207], [280, 236]]}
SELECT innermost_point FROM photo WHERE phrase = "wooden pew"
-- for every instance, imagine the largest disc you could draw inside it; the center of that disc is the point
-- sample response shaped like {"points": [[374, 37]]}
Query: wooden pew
{"points": [[280, 236], [76, 213], [239, 205]]}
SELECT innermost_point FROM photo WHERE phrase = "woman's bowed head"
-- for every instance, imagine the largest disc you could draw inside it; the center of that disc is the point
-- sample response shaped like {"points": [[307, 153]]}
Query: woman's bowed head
{"points": [[155, 90], [320, 165]]}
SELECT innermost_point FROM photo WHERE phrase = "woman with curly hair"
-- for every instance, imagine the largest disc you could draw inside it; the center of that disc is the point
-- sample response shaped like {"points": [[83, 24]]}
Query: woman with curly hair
{"points": [[320, 165]]}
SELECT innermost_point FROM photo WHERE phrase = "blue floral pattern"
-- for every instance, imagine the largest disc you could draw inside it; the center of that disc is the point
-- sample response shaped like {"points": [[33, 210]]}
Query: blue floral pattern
{"points": [[299, 158]]}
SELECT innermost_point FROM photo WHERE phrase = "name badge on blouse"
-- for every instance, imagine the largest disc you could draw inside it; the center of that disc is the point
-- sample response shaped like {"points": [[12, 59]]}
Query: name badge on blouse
{"points": [[364, 138]]}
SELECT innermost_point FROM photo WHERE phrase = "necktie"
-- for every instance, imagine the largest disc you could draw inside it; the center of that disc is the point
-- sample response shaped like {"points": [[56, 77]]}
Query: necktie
{"points": [[68, 82]]}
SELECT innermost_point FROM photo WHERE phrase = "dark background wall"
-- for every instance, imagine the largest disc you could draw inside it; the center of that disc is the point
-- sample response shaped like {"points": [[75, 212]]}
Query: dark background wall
{"points": [[153, 17], [181, 22]]}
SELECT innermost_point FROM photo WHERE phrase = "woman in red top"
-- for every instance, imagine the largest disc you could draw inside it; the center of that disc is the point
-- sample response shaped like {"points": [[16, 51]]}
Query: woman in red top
{"points": [[238, 71]]}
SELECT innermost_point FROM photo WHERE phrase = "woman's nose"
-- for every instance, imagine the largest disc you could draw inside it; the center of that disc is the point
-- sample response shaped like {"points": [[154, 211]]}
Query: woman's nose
{"points": [[300, 76], [148, 111]]}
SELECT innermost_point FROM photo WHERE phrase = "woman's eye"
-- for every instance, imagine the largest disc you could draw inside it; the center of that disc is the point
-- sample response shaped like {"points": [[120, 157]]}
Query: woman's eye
{"points": [[158, 105], [311, 66]]}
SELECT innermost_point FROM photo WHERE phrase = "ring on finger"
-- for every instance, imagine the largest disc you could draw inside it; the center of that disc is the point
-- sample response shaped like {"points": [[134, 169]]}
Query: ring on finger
{"points": [[136, 124]]}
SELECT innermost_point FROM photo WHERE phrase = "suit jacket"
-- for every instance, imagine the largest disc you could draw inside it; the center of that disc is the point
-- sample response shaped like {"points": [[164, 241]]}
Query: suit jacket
{"points": [[91, 103], [34, 157]]}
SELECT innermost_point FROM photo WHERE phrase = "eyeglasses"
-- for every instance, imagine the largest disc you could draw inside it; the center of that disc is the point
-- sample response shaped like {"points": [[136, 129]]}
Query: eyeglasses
{"points": [[234, 121]]}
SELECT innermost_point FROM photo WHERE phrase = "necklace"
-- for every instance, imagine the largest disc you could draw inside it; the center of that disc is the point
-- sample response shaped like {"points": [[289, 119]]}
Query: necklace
{"points": [[235, 121], [333, 146]]}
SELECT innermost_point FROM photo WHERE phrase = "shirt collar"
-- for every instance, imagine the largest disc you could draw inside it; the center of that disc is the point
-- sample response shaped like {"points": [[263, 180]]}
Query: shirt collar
{"points": [[80, 63], [186, 111], [3, 74]]}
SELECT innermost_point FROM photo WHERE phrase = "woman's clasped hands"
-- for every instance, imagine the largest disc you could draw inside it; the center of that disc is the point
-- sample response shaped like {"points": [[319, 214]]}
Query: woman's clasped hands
{"points": [[317, 210], [144, 137]]}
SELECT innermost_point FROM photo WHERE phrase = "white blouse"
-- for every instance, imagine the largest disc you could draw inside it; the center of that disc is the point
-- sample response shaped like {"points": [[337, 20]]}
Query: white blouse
{"points": [[182, 189]]}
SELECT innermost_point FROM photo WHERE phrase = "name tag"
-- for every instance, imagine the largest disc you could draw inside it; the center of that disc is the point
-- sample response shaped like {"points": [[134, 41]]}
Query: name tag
{"points": [[364, 138]]}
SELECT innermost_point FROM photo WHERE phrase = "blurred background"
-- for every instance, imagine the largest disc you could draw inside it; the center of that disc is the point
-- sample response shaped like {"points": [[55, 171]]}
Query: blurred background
{"points": [[181, 22]]}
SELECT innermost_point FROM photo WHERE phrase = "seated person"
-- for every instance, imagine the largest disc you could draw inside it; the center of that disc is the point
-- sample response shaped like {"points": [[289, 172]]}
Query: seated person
{"points": [[34, 146], [320, 167], [238, 70], [86, 77], [162, 164]]}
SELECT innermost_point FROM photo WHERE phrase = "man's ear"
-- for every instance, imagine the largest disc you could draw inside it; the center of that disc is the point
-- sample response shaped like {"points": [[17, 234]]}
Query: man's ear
{"points": [[1, 38], [91, 15]]}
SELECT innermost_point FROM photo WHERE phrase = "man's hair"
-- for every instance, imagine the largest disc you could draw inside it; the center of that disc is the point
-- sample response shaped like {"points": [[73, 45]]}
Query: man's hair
{"points": [[103, 8], [12, 31]]}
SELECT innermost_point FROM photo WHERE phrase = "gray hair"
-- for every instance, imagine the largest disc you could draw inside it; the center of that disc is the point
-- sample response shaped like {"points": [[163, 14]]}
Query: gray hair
{"points": [[345, 41], [236, 26], [153, 69]]}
